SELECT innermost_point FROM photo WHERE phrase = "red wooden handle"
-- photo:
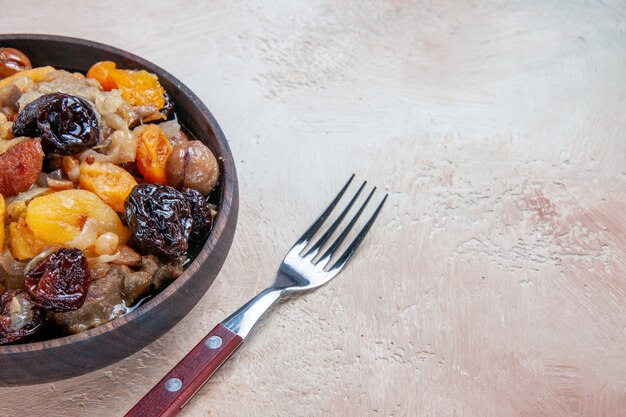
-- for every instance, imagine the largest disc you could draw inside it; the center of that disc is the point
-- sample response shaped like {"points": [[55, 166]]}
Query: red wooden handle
{"points": [[172, 392]]}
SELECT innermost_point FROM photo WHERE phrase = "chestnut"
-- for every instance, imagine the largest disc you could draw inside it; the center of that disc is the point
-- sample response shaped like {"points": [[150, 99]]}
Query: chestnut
{"points": [[12, 61], [192, 165]]}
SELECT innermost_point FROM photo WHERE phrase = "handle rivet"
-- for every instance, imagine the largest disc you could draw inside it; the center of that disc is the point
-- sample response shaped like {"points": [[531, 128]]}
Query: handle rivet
{"points": [[173, 384], [213, 342]]}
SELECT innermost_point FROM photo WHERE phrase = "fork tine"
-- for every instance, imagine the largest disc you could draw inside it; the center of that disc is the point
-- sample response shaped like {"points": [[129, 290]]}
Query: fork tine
{"points": [[331, 250], [322, 240], [345, 257], [304, 239]]}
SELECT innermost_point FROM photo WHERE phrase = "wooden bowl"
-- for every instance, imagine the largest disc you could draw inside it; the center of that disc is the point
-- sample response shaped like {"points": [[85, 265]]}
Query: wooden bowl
{"points": [[69, 356]]}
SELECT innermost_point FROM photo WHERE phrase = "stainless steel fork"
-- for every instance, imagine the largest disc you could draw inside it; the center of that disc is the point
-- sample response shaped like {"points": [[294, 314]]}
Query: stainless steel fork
{"points": [[301, 270]]}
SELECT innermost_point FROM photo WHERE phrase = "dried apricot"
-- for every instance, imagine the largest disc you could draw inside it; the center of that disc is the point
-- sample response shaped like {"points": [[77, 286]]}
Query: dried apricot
{"points": [[101, 71], [139, 88], [20, 166], [108, 181], [59, 217], [36, 74], [24, 244], [153, 150]]}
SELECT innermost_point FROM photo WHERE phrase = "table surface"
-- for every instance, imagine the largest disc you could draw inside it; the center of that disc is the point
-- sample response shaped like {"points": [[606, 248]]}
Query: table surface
{"points": [[493, 283]]}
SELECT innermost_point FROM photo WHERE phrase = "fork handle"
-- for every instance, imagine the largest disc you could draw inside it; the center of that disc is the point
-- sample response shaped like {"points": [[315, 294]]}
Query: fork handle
{"points": [[176, 388]]}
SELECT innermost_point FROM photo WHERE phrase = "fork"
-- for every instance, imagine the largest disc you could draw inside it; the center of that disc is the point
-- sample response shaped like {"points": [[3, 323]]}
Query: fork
{"points": [[301, 270]]}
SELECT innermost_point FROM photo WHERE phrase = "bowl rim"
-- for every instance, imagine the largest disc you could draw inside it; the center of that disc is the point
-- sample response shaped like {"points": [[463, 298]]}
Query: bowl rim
{"points": [[228, 196]]}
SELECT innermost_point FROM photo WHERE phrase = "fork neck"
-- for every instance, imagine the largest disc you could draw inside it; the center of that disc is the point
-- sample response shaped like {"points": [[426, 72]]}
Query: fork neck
{"points": [[247, 316]]}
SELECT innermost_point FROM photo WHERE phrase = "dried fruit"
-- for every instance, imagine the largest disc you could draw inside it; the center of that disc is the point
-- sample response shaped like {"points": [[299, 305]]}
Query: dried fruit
{"points": [[24, 244], [67, 124], [153, 150], [60, 216], [20, 167], [200, 213], [19, 317], [12, 61], [35, 74], [108, 181], [160, 220], [139, 88], [192, 165], [60, 282]]}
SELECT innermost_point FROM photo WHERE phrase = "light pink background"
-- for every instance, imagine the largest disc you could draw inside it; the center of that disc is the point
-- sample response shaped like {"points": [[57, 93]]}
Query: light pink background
{"points": [[494, 282]]}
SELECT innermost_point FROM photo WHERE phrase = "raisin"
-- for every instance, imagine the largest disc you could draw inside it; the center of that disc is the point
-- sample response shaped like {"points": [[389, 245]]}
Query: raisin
{"points": [[60, 282], [67, 124], [159, 218], [19, 317], [200, 213]]}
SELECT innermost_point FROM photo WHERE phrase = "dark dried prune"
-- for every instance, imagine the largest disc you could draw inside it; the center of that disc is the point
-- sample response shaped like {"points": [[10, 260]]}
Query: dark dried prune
{"points": [[60, 282], [19, 317], [200, 213], [159, 218], [67, 124]]}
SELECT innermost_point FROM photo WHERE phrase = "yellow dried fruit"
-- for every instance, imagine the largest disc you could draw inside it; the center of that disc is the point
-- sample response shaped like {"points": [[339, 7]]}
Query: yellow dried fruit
{"points": [[24, 244], [153, 150], [36, 74], [139, 88], [59, 217], [108, 181]]}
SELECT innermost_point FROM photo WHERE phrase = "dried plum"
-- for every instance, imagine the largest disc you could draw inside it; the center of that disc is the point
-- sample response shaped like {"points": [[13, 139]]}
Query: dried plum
{"points": [[160, 220], [19, 317], [67, 124], [200, 213], [60, 282]]}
